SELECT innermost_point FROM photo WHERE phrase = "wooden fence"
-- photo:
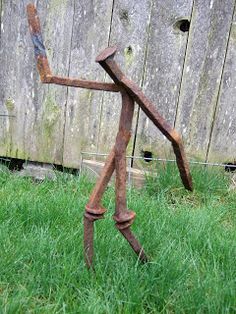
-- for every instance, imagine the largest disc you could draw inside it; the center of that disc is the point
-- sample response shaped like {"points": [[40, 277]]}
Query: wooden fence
{"points": [[189, 75]]}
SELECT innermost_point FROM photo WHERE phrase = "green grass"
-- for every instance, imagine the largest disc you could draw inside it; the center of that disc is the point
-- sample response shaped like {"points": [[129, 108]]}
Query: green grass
{"points": [[190, 238]]}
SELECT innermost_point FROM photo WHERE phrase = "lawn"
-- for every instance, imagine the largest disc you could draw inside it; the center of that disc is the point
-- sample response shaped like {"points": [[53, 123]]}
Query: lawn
{"points": [[189, 237]]}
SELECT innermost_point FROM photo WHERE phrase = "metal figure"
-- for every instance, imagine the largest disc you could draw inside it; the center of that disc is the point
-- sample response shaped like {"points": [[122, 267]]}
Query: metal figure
{"points": [[116, 160]]}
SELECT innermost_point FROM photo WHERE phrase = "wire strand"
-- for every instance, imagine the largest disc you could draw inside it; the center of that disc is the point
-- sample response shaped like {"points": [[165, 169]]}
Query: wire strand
{"points": [[217, 164]]}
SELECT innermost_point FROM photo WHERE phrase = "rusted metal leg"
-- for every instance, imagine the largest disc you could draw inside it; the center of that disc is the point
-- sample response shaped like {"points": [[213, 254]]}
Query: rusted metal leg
{"points": [[88, 241], [138, 249], [93, 210], [124, 217], [117, 159]]}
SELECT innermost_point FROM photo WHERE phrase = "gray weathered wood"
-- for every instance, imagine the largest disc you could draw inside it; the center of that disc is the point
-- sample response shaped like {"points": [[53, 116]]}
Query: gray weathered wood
{"points": [[15, 77], [165, 60], [129, 31], [2, 111], [53, 123], [37, 131], [90, 35], [223, 141], [208, 39], [49, 121]]}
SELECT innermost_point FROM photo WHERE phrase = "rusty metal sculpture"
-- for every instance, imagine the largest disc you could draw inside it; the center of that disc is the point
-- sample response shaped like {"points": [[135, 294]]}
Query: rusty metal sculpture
{"points": [[116, 161]]}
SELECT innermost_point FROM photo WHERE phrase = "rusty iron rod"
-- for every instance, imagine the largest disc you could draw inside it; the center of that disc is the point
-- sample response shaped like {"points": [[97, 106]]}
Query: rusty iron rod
{"points": [[93, 210], [124, 217], [72, 82]]}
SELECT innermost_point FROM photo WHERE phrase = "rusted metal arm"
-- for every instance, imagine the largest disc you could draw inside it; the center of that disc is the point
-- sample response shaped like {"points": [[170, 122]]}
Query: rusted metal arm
{"points": [[105, 59], [45, 73], [66, 81]]}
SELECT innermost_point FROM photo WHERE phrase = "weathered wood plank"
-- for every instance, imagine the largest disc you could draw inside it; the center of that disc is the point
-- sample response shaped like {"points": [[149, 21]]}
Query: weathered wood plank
{"points": [[37, 131], [90, 36], [165, 61], [203, 68], [129, 30], [48, 120], [2, 111], [13, 85], [0, 24], [223, 141]]}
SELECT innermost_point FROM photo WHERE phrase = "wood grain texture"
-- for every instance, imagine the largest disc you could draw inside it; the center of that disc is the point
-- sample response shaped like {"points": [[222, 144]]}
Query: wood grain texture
{"points": [[90, 36], [129, 31], [2, 109], [207, 46], [37, 131], [51, 117], [0, 21], [165, 61], [15, 80], [54, 123], [223, 141]]}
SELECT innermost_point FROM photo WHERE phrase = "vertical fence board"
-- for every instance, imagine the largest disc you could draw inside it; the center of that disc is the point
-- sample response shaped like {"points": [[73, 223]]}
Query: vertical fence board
{"points": [[2, 109], [223, 142], [37, 131], [15, 81], [129, 31], [90, 36], [165, 60], [203, 68], [49, 121]]}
